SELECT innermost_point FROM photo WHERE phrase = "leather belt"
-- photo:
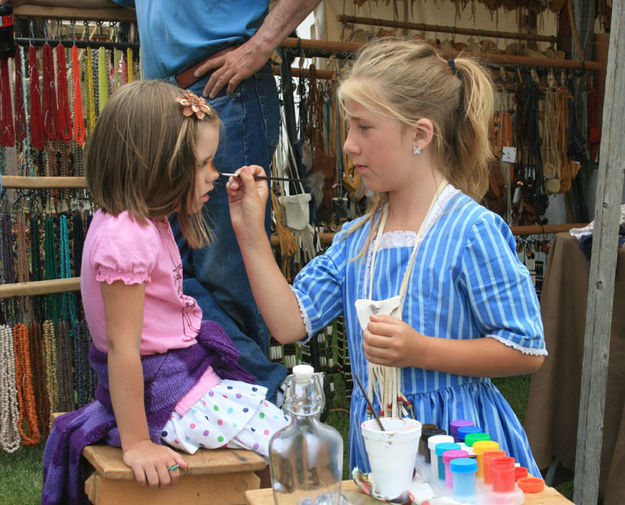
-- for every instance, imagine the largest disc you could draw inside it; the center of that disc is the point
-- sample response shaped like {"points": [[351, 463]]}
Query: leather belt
{"points": [[186, 78]]}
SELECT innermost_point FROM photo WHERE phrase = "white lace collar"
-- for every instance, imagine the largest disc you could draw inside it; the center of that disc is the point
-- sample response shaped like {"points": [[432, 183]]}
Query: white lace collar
{"points": [[406, 238]]}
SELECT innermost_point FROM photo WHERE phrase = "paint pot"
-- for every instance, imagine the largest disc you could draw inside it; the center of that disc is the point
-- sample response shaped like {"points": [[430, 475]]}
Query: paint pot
{"points": [[458, 423], [463, 475], [448, 456], [433, 441], [392, 454], [426, 433]]}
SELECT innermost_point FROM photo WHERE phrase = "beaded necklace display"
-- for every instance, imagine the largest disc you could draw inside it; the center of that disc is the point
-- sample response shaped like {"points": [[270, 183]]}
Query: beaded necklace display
{"points": [[64, 367], [49, 94], [64, 124], [7, 133], [22, 260], [49, 350], [36, 267], [9, 433], [28, 168], [10, 306], [103, 79], [50, 267], [79, 120], [91, 117], [67, 305], [20, 111], [36, 120], [80, 377], [28, 427], [40, 390], [130, 65], [78, 240]]}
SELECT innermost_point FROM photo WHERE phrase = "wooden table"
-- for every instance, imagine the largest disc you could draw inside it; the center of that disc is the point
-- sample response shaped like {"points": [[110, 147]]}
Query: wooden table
{"points": [[553, 403], [549, 496]]}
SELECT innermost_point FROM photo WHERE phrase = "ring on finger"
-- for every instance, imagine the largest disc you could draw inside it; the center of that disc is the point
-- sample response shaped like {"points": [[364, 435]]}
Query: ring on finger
{"points": [[173, 467]]}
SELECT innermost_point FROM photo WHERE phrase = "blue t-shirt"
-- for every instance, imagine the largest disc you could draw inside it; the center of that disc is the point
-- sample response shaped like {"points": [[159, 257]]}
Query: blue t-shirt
{"points": [[176, 35]]}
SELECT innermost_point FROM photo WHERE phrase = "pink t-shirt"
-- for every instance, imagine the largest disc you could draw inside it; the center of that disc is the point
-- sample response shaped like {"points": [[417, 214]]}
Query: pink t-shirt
{"points": [[118, 248]]}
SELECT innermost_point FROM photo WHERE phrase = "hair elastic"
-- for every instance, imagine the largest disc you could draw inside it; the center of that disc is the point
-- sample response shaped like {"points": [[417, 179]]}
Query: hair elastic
{"points": [[452, 64]]}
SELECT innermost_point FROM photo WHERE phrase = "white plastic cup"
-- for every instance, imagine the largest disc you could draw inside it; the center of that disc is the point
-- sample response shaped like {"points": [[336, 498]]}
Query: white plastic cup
{"points": [[392, 454]]}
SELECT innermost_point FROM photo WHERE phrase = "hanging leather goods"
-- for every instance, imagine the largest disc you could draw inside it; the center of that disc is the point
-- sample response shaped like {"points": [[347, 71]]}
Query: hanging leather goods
{"points": [[562, 123], [549, 144], [594, 135], [323, 163]]}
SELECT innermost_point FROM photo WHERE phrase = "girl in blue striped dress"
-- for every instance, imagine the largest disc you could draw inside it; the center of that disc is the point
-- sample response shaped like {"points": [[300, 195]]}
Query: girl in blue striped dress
{"points": [[428, 281]]}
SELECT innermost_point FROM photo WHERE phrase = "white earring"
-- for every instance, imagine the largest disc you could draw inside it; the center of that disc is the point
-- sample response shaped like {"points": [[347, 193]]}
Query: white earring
{"points": [[417, 150]]}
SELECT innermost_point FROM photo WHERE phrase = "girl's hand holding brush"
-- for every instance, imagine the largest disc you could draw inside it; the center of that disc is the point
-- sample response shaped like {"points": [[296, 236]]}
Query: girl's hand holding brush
{"points": [[247, 196]]}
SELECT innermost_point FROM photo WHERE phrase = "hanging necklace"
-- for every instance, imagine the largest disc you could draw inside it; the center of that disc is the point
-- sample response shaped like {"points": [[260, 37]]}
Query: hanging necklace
{"points": [[9, 433], [103, 84], [39, 377], [7, 135], [49, 350], [64, 367], [91, 117], [20, 112], [49, 94], [130, 59], [36, 121], [79, 120], [64, 124], [27, 424]]}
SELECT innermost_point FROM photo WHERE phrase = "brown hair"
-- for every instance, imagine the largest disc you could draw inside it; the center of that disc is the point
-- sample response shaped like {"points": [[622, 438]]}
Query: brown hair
{"points": [[141, 156], [407, 80]]}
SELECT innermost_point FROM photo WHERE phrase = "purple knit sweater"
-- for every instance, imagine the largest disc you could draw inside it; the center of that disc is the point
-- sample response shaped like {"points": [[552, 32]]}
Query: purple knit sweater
{"points": [[167, 378]]}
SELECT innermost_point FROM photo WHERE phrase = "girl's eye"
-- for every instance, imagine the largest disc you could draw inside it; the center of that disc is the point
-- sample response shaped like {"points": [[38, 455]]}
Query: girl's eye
{"points": [[363, 127]]}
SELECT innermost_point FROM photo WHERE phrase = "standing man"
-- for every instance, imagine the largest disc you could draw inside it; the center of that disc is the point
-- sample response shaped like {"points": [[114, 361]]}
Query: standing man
{"points": [[221, 49]]}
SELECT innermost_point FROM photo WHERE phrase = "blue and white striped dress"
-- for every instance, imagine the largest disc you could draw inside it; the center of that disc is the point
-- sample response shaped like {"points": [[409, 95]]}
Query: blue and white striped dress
{"points": [[467, 282]]}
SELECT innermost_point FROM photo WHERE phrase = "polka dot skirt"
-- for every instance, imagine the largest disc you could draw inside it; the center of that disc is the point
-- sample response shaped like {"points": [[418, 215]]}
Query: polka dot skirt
{"points": [[232, 414]]}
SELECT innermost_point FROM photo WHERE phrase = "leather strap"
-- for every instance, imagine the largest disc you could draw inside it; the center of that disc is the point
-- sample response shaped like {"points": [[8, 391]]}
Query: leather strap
{"points": [[186, 78]]}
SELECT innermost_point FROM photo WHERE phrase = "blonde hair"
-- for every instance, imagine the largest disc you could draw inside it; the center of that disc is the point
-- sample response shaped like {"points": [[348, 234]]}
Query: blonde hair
{"points": [[407, 80], [141, 156]]}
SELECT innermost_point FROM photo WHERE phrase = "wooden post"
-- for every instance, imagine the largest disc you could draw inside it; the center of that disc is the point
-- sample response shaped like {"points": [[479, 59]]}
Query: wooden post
{"points": [[602, 270]]}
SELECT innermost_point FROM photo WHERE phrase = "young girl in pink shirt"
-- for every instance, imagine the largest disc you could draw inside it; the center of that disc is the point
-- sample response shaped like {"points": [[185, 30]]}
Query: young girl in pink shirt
{"points": [[163, 373]]}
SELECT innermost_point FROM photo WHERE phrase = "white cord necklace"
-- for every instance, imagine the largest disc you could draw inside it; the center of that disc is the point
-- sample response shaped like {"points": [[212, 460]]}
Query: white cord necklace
{"points": [[385, 382]]}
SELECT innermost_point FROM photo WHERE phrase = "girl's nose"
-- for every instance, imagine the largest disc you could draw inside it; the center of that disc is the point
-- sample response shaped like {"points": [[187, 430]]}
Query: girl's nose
{"points": [[349, 146], [212, 173]]}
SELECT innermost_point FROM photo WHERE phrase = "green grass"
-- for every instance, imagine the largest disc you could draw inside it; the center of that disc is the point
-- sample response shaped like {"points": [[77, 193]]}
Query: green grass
{"points": [[20, 476], [20, 472]]}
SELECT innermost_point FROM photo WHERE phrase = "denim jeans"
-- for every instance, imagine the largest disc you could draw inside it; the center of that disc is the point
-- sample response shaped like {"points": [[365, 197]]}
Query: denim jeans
{"points": [[215, 275]]}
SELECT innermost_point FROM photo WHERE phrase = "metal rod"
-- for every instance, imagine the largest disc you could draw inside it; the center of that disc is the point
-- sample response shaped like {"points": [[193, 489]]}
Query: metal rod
{"points": [[81, 43], [445, 29], [314, 48]]}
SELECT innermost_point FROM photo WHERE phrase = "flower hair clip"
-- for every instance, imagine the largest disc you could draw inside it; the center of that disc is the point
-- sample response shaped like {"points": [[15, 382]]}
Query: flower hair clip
{"points": [[193, 104]]}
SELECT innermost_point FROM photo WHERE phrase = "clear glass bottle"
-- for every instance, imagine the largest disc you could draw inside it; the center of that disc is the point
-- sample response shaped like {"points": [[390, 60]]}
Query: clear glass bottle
{"points": [[306, 457]]}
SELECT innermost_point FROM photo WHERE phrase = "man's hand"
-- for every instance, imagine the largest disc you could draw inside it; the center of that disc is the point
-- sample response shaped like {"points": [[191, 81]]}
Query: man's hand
{"points": [[231, 66]]}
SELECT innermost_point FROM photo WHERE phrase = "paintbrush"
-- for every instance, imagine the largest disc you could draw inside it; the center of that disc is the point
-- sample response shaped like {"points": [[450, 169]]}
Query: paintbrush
{"points": [[364, 393], [264, 177]]}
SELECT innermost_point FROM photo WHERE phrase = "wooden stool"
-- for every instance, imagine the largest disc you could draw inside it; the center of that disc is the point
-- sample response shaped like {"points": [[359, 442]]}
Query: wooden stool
{"points": [[214, 476]]}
